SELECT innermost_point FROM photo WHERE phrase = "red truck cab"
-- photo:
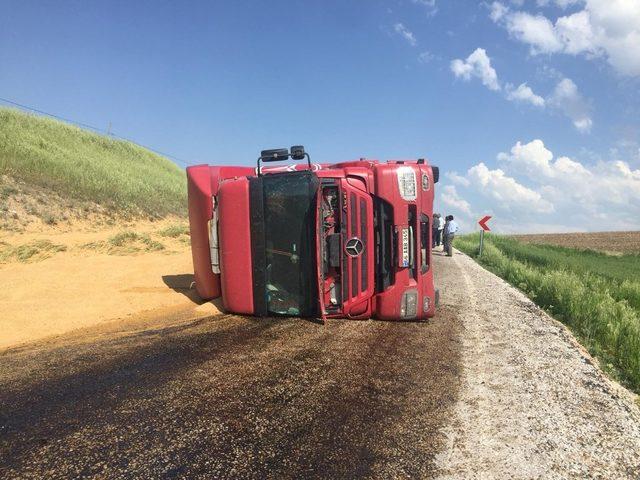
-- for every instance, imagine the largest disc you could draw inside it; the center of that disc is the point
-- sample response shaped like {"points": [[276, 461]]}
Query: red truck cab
{"points": [[345, 240]]}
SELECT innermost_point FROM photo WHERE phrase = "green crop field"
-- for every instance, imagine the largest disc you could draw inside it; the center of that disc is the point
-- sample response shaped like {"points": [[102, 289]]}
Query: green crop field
{"points": [[78, 164], [597, 295]]}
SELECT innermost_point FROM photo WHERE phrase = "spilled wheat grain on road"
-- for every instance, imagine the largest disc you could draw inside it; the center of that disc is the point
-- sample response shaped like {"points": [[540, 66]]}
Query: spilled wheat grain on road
{"points": [[233, 397], [491, 388]]}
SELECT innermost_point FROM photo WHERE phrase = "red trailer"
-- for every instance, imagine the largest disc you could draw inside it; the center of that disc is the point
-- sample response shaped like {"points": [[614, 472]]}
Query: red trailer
{"points": [[344, 240]]}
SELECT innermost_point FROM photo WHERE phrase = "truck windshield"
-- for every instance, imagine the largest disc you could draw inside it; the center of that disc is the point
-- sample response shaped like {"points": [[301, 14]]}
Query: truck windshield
{"points": [[289, 240]]}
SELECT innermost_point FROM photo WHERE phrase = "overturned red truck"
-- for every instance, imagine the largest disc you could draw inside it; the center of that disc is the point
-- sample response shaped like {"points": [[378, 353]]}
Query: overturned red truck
{"points": [[344, 240]]}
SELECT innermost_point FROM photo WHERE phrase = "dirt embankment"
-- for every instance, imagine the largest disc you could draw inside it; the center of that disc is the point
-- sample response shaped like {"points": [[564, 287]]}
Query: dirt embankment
{"points": [[57, 278]]}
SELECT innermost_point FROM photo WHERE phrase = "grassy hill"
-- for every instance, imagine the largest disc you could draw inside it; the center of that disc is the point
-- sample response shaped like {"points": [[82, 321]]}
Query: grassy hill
{"points": [[77, 164]]}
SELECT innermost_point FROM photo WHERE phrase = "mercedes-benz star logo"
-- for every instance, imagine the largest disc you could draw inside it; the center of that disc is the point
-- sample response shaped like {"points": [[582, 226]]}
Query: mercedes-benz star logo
{"points": [[354, 247]]}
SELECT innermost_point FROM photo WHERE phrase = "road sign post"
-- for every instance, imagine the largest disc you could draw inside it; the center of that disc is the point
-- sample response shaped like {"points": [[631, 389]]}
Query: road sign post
{"points": [[484, 227]]}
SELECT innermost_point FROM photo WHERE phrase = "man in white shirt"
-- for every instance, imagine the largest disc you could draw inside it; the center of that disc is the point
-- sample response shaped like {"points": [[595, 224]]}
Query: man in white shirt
{"points": [[450, 229], [440, 230]]}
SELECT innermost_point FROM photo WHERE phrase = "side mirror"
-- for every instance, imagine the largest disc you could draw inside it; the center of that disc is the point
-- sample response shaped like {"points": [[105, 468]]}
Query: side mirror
{"points": [[274, 155], [297, 152], [436, 173]]}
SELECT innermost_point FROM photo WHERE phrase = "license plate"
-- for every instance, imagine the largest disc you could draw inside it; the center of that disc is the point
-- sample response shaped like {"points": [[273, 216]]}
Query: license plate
{"points": [[405, 247]]}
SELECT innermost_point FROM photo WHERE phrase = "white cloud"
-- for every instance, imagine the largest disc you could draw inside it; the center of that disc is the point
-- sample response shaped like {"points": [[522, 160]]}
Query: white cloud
{"points": [[478, 65], [533, 191], [617, 23], [510, 195], [569, 101], [603, 28], [565, 98], [457, 179], [450, 197], [535, 30], [523, 93], [531, 159], [560, 3], [576, 33], [429, 5], [426, 57], [535, 161], [498, 11], [405, 33], [601, 196]]}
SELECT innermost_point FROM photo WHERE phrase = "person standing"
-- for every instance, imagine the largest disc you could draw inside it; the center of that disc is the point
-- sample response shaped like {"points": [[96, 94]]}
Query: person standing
{"points": [[444, 234], [440, 229], [450, 229], [435, 225]]}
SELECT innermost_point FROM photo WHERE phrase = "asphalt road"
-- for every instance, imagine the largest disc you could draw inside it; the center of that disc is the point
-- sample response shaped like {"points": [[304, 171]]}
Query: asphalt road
{"points": [[232, 397]]}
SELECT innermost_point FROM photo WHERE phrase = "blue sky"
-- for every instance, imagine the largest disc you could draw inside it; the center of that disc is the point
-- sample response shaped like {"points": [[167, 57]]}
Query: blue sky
{"points": [[215, 82]]}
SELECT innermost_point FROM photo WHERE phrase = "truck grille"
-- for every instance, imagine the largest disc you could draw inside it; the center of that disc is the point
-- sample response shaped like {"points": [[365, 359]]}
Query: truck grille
{"points": [[355, 278]]}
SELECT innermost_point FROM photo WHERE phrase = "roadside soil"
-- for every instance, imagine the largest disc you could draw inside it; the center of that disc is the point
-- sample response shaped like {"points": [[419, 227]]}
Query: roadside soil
{"points": [[54, 292], [533, 403]]}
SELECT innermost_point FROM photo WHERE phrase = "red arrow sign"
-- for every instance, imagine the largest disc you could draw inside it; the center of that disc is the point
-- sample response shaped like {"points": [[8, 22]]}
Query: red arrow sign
{"points": [[483, 222]]}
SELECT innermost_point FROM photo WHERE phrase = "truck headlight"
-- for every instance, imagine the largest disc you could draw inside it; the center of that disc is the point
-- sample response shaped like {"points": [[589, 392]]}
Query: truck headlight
{"points": [[426, 302], [425, 182], [409, 304], [407, 183]]}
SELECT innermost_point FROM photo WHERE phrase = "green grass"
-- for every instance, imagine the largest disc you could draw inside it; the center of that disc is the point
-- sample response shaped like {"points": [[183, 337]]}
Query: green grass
{"points": [[174, 231], [82, 165], [125, 238], [596, 295], [35, 250], [126, 243], [6, 191], [616, 267]]}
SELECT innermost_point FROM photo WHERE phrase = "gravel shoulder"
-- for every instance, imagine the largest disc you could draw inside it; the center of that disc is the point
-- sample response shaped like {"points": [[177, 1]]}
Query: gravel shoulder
{"points": [[532, 402]]}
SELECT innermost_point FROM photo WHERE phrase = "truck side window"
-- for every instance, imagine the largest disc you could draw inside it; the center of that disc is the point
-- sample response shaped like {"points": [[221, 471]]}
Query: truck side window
{"points": [[424, 243]]}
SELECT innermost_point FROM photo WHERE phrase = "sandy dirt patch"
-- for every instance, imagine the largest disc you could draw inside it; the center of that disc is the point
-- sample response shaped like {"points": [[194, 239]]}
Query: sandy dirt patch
{"points": [[81, 286]]}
